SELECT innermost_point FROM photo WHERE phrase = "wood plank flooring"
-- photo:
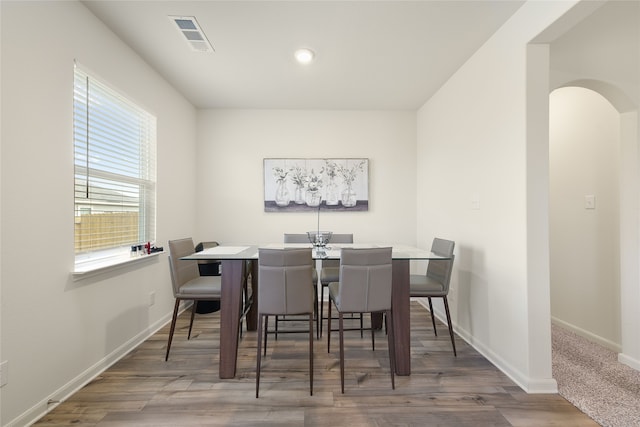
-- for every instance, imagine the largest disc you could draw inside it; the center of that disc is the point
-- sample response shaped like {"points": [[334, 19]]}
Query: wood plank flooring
{"points": [[144, 390]]}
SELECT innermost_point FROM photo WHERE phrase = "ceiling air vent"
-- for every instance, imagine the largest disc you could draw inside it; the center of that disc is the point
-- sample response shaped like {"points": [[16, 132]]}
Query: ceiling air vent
{"points": [[193, 34]]}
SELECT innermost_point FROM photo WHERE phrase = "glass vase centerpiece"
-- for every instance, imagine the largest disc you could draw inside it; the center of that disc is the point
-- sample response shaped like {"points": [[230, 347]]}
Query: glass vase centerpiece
{"points": [[319, 240]]}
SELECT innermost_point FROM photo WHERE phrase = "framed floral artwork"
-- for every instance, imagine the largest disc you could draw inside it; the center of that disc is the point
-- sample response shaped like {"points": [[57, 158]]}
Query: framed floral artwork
{"points": [[294, 185]]}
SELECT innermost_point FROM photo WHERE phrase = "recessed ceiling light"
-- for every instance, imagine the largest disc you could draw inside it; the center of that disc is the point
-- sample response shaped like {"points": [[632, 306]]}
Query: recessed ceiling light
{"points": [[304, 56]]}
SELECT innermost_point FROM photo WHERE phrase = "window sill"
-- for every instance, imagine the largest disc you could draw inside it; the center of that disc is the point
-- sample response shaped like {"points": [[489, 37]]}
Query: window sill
{"points": [[90, 268]]}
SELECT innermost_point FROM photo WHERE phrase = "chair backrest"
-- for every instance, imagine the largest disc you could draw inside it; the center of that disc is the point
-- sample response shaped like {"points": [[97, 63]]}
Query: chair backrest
{"points": [[341, 238], [296, 238], [181, 270], [440, 270], [365, 280], [205, 245], [303, 238], [285, 284]]}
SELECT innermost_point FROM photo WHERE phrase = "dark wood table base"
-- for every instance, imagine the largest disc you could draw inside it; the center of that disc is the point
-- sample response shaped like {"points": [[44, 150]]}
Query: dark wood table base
{"points": [[232, 281]]}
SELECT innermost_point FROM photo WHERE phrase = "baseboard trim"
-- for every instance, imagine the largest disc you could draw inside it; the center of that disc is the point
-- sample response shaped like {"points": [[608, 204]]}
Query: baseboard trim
{"points": [[588, 335], [46, 405], [629, 361], [529, 385]]}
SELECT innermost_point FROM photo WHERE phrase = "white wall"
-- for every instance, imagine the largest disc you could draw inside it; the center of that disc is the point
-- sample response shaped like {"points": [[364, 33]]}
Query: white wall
{"points": [[56, 332], [472, 136], [630, 238], [1, 256], [584, 143], [233, 143]]}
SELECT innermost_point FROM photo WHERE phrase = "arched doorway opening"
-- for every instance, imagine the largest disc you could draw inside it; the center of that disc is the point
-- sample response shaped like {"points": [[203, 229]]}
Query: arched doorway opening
{"points": [[584, 214], [593, 247]]}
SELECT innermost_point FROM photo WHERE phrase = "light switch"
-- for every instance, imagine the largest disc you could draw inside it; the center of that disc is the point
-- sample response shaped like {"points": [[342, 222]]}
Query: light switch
{"points": [[475, 201], [590, 201]]}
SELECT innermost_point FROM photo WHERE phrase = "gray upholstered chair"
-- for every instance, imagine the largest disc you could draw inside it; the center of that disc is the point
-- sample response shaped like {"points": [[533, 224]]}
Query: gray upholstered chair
{"points": [[285, 287], [187, 283], [364, 287], [303, 238], [435, 283], [330, 272]]}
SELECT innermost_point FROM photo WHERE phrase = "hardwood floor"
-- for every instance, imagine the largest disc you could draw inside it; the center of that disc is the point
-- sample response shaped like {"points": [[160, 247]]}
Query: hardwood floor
{"points": [[144, 390]]}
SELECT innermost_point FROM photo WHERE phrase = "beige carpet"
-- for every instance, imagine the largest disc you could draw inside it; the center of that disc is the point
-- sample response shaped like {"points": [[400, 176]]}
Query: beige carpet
{"points": [[591, 378]]}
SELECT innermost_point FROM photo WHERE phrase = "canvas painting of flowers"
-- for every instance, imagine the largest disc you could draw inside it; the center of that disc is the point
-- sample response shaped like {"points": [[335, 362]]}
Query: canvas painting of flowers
{"points": [[294, 185]]}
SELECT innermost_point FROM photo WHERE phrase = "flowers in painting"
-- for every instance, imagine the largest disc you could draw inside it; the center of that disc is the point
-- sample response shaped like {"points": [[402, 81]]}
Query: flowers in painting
{"points": [[298, 176], [280, 174], [350, 174], [313, 181], [331, 169], [282, 197]]}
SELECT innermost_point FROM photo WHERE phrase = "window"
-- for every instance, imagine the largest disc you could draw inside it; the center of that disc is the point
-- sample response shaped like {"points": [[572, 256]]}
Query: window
{"points": [[115, 171]]}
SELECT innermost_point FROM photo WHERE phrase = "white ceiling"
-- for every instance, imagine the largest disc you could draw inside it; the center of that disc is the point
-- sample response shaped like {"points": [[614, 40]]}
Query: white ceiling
{"points": [[369, 54]]}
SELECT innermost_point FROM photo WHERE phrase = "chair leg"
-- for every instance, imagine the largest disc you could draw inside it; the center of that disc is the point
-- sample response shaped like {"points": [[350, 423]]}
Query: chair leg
{"points": [[259, 359], [266, 326], [373, 338], [433, 318], [318, 319], [194, 307], [329, 325], [322, 306], [392, 348], [362, 327], [311, 354], [172, 329], [446, 309], [341, 326]]}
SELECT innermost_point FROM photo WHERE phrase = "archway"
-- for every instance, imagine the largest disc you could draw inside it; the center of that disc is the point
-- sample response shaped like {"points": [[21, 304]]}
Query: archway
{"points": [[629, 215], [571, 52], [584, 213]]}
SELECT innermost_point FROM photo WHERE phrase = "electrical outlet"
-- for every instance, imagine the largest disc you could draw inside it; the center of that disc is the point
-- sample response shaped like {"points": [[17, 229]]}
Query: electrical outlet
{"points": [[152, 298], [4, 373]]}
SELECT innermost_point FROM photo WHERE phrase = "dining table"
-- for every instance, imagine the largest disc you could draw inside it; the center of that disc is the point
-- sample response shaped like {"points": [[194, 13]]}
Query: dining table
{"points": [[236, 258]]}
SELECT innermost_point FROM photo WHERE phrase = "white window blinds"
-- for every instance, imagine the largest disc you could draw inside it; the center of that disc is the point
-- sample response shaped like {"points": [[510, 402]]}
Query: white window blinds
{"points": [[115, 168]]}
